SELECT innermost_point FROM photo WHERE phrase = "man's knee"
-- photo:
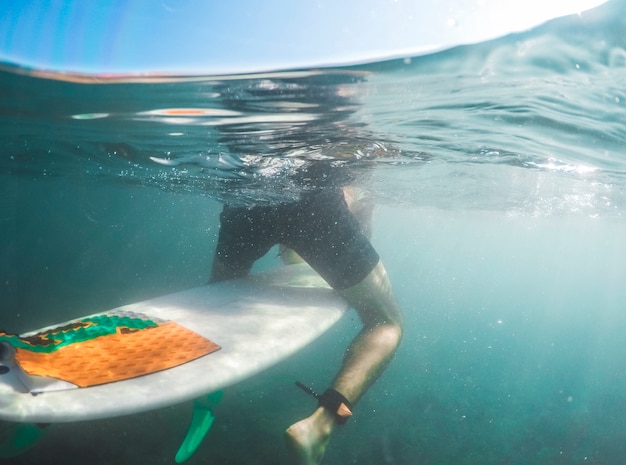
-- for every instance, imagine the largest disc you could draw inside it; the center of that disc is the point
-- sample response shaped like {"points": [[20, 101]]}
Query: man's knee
{"points": [[374, 300]]}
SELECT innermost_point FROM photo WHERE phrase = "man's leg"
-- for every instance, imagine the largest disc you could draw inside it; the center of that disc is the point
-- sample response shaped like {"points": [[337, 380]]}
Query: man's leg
{"points": [[221, 271], [365, 360], [245, 235]]}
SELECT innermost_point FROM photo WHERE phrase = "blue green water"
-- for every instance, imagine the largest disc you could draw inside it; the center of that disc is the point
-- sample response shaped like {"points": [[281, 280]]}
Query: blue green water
{"points": [[500, 181]]}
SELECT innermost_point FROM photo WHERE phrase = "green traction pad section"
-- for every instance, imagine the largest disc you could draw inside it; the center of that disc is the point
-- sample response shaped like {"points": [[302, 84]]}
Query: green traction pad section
{"points": [[82, 330]]}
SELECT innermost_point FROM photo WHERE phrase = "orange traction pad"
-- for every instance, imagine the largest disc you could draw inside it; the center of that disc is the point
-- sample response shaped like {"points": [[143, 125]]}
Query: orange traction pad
{"points": [[116, 357]]}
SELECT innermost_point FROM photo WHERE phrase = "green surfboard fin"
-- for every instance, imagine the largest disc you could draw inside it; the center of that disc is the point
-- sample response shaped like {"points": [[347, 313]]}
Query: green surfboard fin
{"points": [[200, 424], [18, 437]]}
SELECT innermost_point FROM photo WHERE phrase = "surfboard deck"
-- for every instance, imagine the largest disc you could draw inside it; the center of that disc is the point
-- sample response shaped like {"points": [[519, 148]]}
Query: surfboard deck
{"points": [[256, 321]]}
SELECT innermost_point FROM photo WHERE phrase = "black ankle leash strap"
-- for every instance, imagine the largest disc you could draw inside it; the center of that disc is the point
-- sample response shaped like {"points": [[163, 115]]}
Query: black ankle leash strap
{"points": [[331, 400]]}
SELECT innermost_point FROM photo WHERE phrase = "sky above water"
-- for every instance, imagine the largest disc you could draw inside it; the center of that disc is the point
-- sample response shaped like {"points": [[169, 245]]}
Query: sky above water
{"points": [[200, 37]]}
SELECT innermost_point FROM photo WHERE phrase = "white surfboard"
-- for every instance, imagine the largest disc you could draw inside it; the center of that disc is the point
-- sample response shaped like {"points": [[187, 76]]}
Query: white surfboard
{"points": [[256, 321]]}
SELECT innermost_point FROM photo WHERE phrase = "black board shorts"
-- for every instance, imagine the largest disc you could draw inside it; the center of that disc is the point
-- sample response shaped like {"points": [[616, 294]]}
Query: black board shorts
{"points": [[319, 227]]}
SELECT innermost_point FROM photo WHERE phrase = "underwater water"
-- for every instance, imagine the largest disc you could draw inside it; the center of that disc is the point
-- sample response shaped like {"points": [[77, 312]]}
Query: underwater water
{"points": [[499, 176]]}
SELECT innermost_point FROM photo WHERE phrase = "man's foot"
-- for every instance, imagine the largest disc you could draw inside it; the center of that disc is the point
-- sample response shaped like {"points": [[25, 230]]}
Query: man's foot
{"points": [[308, 438]]}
